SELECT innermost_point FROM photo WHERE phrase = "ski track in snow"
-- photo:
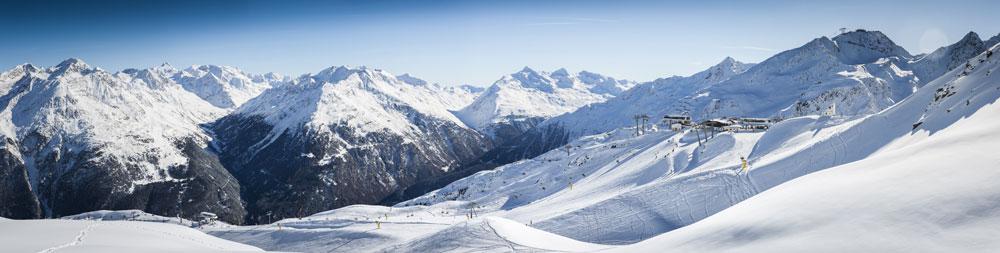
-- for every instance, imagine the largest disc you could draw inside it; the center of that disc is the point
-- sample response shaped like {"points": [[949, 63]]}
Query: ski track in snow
{"points": [[76, 241]]}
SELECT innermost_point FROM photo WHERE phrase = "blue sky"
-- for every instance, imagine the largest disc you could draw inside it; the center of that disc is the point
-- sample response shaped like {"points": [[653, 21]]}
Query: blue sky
{"points": [[454, 42]]}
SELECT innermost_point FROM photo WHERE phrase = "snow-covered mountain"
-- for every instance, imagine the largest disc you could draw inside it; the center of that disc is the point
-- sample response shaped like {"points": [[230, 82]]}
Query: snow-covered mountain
{"points": [[856, 72], [859, 72], [518, 101], [341, 136], [78, 138], [944, 59], [223, 86], [453, 97]]}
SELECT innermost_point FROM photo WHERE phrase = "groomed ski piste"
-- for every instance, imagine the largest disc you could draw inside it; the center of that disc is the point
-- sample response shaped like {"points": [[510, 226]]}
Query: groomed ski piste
{"points": [[918, 176]]}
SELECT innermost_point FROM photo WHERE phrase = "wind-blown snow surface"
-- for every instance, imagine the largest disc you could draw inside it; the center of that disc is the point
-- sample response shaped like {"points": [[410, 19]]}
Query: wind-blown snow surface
{"points": [[913, 177], [108, 236]]}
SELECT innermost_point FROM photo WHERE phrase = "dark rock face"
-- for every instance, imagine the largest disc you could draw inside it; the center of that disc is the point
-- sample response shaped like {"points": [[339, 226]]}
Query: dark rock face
{"points": [[301, 172], [71, 182], [511, 129], [530, 144], [15, 188]]}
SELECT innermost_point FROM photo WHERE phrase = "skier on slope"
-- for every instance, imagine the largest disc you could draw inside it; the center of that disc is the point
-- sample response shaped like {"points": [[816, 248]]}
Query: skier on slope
{"points": [[744, 166]]}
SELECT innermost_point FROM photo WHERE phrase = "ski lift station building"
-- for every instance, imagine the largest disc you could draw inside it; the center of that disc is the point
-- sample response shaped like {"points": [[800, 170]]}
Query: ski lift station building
{"points": [[755, 123], [677, 122]]}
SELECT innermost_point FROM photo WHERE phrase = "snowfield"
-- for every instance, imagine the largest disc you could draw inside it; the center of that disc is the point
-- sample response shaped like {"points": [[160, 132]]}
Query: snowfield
{"points": [[108, 236]]}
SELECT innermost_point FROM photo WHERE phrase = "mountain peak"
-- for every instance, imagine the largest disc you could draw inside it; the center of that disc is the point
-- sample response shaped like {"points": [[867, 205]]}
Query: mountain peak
{"points": [[731, 66], [335, 73], [560, 72], [862, 46], [527, 69], [27, 67], [407, 78], [71, 65], [722, 71], [970, 38], [728, 62], [529, 78], [72, 61], [821, 42], [859, 33], [165, 68]]}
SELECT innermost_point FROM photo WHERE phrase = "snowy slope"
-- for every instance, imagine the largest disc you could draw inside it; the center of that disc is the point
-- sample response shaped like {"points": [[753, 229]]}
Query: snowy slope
{"points": [[522, 99], [927, 188], [108, 236], [347, 229], [341, 136], [82, 139], [607, 174]]}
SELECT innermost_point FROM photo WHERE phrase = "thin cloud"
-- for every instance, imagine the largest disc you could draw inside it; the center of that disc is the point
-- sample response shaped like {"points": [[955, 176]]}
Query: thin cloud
{"points": [[763, 49]]}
